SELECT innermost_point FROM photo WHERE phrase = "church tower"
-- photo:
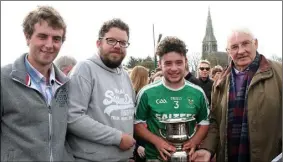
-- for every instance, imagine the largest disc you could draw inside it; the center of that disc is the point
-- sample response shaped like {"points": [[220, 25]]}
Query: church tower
{"points": [[209, 43]]}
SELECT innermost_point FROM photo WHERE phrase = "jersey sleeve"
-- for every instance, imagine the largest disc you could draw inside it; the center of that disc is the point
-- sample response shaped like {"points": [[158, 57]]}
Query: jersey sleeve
{"points": [[203, 113], [142, 110]]}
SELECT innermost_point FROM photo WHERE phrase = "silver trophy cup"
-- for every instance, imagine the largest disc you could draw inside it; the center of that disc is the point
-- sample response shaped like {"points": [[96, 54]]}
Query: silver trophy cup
{"points": [[177, 132]]}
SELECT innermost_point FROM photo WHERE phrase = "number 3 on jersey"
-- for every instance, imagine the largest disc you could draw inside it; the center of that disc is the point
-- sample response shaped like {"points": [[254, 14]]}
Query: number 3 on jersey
{"points": [[176, 106]]}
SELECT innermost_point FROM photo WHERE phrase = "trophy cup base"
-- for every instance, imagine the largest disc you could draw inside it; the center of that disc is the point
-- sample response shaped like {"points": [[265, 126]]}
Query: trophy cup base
{"points": [[179, 156]]}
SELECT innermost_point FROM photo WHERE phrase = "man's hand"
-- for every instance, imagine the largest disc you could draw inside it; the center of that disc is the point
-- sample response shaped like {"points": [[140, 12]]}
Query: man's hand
{"points": [[190, 146], [164, 148], [141, 151], [127, 142], [201, 156]]}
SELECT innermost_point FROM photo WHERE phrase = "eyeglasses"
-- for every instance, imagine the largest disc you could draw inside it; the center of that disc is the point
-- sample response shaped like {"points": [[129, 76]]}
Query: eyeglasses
{"points": [[235, 48], [206, 68], [113, 42]]}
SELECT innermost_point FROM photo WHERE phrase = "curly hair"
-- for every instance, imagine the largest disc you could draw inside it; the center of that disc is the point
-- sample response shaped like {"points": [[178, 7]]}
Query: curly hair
{"points": [[171, 44], [114, 23], [44, 13]]}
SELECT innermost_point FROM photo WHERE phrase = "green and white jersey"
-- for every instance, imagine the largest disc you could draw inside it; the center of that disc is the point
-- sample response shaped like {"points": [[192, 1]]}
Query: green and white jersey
{"points": [[156, 102]]}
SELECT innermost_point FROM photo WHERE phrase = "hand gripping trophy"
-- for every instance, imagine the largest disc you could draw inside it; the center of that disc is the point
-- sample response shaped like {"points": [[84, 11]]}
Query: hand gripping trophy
{"points": [[177, 132]]}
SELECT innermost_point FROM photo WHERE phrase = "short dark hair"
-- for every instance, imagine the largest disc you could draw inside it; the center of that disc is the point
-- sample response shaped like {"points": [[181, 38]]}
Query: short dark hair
{"points": [[171, 44], [44, 13], [113, 23]]}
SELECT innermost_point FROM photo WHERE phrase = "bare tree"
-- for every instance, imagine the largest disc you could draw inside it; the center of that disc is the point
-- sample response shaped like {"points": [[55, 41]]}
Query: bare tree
{"points": [[276, 58], [193, 60]]}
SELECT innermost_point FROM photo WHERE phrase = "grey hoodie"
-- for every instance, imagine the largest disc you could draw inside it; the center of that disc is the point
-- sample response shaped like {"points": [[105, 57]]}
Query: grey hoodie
{"points": [[101, 107]]}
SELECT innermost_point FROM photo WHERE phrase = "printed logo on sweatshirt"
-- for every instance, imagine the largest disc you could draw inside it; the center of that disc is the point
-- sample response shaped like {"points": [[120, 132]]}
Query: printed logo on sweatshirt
{"points": [[118, 100], [160, 101], [162, 117]]}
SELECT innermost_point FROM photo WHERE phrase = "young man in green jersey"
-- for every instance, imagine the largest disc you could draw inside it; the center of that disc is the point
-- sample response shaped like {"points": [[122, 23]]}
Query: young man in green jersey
{"points": [[171, 97]]}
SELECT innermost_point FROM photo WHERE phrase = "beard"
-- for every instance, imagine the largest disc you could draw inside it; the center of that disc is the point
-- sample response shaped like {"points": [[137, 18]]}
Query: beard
{"points": [[110, 61]]}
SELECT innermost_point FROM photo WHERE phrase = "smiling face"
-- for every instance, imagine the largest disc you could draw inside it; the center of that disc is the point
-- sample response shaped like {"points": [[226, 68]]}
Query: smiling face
{"points": [[44, 44], [242, 49], [173, 67]]}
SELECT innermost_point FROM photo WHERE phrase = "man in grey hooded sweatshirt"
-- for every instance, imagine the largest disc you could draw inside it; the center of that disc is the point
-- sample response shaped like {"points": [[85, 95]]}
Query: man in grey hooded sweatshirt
{"points": [[101, 100]]}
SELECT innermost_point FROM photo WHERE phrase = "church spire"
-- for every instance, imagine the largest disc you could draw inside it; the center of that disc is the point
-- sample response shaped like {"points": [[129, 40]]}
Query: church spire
{"points": [[209, 42]]}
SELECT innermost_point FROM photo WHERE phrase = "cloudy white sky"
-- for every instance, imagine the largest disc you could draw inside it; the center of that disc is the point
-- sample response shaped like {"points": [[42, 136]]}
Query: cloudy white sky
{"points": [[186, 20]]}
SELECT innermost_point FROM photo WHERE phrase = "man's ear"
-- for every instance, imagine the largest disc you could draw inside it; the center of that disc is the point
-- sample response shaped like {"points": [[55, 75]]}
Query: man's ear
{"points": [[27, 36], [256, 43], [186, 64], [98, 43], [159, 63]]}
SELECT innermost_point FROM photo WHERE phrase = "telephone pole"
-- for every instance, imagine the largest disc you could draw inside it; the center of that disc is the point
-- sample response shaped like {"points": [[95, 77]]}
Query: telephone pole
{"points": [[158, 40]]}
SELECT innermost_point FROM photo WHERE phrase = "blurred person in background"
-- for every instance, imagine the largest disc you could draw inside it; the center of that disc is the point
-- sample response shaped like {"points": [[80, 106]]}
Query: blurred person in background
{"points": [[156, 77], [204, 79], [216, 72], [139, 78], [189, 76], [65, 63]]}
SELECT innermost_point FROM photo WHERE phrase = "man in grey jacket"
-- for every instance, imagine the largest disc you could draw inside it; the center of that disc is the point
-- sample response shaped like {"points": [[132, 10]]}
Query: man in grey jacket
{"points": [[34, 94], [101, 106]]}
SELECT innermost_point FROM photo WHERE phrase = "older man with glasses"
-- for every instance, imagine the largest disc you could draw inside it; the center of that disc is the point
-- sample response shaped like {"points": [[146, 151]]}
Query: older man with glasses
{"points": [[246, 108]]}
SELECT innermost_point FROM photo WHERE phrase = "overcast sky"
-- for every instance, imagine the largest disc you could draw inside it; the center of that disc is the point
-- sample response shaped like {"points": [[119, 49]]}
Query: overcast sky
{"points": [[186, 20]]}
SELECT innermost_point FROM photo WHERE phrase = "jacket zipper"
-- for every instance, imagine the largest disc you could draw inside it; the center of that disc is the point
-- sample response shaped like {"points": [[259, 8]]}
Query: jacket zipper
{"points": [[50, 125], [50, 132], [49, 119]]}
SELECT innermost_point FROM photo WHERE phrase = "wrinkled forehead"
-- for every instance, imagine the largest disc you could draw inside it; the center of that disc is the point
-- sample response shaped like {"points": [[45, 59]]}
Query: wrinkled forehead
{"points": [[237, 37]]}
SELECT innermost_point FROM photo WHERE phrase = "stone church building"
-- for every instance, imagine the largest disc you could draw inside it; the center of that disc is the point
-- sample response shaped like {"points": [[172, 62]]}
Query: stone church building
{"points": [[209, 47]]}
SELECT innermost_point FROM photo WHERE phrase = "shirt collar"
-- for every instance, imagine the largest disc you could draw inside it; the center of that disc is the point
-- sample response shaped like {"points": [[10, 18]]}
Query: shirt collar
{"points": [[52, 75], [36, 75], [237, 72], [172, 89]]}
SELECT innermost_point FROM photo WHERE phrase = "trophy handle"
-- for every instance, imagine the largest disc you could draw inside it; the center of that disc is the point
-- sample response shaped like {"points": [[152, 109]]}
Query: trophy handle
{"points": [[161, 134]]}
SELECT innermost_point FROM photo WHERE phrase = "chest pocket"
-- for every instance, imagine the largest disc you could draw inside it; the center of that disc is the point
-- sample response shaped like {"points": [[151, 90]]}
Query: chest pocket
{"points": [[62, 96]]}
